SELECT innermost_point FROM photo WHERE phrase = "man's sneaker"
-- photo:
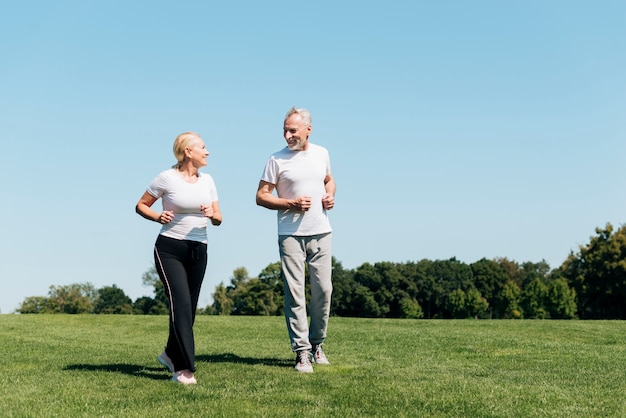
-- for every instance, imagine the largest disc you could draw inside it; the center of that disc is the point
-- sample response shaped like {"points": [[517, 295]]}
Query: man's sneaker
{"points": [[303, 362], [166, 361], [184, 377], [318, 355]]}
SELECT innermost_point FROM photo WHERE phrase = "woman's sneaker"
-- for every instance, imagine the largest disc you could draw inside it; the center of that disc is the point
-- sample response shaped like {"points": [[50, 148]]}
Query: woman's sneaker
{"points": [[184, 377], [318, 355], [166, 361], [303, 362]]}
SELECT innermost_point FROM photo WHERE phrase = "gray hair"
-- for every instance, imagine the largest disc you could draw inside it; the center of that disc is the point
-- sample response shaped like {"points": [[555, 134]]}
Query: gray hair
{"points": [[304, 114]]}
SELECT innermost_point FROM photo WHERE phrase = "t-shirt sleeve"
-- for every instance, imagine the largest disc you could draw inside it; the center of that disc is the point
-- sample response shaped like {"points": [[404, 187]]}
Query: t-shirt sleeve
{"points": [[157, 187], [327, 163], [270, 174], [213, 189]]}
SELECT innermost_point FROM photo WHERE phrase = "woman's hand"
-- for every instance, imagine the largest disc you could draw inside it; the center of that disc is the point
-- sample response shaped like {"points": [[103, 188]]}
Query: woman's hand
{"points": [[166, 217], [212, 212], [207, 210]]}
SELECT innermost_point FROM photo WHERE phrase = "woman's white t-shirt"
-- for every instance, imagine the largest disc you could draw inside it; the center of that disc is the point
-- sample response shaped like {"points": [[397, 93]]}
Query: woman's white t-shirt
{"points": [[184, 199]]}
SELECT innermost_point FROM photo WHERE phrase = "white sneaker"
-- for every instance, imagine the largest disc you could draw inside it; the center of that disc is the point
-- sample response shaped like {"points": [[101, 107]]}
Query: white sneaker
{"points": [[318, 355], [184, 377], [303, 362]]}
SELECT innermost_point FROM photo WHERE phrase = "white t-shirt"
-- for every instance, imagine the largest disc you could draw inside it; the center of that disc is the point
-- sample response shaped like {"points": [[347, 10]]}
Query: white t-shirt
{"points": [[184, 199], [298, 173]]}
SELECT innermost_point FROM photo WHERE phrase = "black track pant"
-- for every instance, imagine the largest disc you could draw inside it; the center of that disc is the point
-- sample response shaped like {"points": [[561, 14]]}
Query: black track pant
{"points": [[181, 265]]}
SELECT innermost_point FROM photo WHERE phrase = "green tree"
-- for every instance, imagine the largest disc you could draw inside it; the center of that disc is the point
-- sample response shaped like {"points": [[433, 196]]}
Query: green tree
{"points": [[208, 310], [509, 300], [145, 305], [429, 289], [533, 299], [512, 269], [366, 304], [72, 299], [150, 278], [411, 309], [597, 273], [344, 289], [250, 296], [112, 300], [240, 277], [373, 296], [255, 297], [477, 305], [272, 277], [389, 285], [561, 300], [468, 304], [222, 303], [531, 271], [442, 277], [456, 304], [35, 305], [237, 291], [399, 287], [489, 279]]}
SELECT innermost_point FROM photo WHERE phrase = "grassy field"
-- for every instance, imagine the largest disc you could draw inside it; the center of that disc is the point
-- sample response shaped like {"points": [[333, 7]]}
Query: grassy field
{"points": [[105, 366]]}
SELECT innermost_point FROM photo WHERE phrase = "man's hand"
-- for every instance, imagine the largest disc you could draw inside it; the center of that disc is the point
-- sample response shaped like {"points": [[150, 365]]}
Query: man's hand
{"points": [[328, 201], [301, 203]]}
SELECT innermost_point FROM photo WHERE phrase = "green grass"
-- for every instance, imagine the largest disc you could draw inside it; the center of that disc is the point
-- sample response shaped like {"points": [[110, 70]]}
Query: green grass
{"points": [[105, 366]]}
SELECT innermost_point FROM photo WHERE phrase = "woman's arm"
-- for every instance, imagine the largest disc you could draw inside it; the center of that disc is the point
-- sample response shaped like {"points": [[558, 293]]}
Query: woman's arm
{"points": [[144, 208]]}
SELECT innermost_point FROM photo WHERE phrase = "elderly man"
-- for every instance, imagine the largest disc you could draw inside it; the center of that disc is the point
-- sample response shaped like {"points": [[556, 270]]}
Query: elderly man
{"points": [[305, 189]]}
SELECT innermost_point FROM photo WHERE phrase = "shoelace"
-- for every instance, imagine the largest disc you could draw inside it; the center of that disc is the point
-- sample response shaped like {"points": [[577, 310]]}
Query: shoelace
{"points": [[303, 357], [318, 353]]}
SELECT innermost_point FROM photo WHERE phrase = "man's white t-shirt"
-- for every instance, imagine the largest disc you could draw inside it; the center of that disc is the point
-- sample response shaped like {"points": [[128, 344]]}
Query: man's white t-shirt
{"points": [[300, 173], [184, 199]]}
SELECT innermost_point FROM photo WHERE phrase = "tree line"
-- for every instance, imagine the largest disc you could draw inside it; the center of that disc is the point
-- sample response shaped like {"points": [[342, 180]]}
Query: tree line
{"points": [[590, 284], [80, 298]]}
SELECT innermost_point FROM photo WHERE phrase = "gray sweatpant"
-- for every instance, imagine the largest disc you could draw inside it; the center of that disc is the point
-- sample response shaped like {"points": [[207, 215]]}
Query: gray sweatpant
{"points": [[295, 252]]}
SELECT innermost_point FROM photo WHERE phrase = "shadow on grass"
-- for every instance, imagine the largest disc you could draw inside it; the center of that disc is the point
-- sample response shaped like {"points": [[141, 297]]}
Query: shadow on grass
{"points": [[234, 358], [159, 373], [155, 373]]}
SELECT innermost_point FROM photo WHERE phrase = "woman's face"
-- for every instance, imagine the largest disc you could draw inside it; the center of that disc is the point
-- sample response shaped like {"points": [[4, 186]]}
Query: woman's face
{"points": [[198, 153]]}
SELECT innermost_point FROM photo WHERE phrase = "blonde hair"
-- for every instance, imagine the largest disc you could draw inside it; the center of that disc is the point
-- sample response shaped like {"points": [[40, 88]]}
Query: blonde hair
{"points": [[183, 141], [304, 114]]}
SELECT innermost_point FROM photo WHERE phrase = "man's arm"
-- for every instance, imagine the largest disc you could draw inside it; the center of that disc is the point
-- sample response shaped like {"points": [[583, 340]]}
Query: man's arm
{"points": [[328, 201], [265, 198]]}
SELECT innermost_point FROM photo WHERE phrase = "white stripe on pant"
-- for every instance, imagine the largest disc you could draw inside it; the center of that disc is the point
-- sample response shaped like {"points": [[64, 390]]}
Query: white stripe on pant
{"points": [[181, 265]]}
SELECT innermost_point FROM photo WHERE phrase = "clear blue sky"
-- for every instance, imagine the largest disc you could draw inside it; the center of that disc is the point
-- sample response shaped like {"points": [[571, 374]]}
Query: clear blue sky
{"points": [[456, 129]]}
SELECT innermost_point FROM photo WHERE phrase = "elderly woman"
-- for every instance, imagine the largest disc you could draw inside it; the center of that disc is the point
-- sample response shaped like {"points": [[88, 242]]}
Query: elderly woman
{"points": [[189, 200]]}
